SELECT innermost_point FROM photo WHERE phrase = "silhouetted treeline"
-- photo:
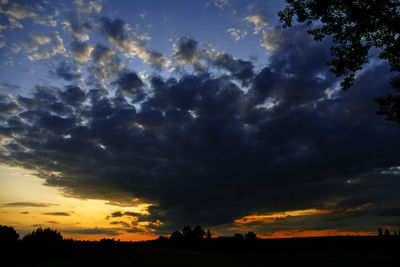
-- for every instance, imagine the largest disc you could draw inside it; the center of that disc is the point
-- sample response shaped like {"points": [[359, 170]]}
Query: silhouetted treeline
{"points": [[49, 245]]}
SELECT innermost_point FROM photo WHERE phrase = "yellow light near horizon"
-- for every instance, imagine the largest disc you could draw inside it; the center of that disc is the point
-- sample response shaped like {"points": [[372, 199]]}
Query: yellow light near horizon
{"points": [[17, 185]]}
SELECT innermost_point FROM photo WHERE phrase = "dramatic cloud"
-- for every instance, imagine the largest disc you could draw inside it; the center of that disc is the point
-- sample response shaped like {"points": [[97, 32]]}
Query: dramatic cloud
{"points": [[224, 144]]}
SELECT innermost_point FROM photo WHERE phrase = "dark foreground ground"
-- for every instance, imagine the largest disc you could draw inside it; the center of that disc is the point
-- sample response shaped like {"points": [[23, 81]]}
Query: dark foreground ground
{"points": [[328, 251]]}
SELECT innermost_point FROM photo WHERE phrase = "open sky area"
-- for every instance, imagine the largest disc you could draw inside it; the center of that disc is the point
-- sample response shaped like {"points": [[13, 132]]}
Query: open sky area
{"points": [[132, 119]]}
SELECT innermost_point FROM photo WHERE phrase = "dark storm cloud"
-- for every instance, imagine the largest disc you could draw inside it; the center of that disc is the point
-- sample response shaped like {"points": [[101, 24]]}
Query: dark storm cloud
{"points": [[129, 83], [81, 51], [73, 95], [28, 204], [186, 51], [10, 86], [204, 151], [57, 213], [130, 42], [240, 69], [107, 64], [8, 107], [66, 72], [103, 55], [113, 29]]}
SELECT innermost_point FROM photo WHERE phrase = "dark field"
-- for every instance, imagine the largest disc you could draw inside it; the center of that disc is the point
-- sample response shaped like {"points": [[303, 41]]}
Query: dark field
{"points": [[327, 251]]}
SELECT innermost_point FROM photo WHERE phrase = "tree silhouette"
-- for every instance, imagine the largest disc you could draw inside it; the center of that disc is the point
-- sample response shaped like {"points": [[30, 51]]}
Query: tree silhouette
{"points": [[208, 235], [187, 232], [238, 236], [176, 236], [380, 232], [250, 236], [355, 27], [8, 235], [387, 233], [46, 236], [198, 232]]}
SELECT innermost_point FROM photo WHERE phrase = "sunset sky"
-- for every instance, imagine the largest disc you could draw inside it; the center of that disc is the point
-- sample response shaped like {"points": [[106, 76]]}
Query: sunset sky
{"points": [[132, 119]]}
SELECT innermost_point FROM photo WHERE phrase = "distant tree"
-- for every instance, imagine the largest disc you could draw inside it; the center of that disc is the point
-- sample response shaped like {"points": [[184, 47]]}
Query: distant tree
{"points": [[250, 236], [208, 235], [387, 233], [107, 243], [355, 27], [380, 232], [198, 232], [187, 232], [8, 235], [238, 236], [46, 236], [160, 238], [176, 236]]}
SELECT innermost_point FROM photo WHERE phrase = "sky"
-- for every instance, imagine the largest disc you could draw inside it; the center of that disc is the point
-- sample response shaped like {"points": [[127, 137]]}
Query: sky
{"points": [[133, 119]]}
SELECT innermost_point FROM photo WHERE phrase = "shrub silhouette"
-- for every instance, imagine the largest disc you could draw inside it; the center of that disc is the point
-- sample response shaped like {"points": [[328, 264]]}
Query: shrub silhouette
{"points": [[387, 233], [176, 236], [187, 232], [238, 236], [380, 232], [46, 237], [198, 232], [250, 236], [208, 235]]}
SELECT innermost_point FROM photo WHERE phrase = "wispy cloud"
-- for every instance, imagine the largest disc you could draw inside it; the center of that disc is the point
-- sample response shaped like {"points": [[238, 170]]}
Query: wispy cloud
{"points": [[92, 231], [29, 204], [57, 213]]}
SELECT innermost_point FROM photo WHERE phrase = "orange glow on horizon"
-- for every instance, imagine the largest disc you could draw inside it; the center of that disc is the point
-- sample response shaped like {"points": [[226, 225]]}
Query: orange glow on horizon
{"points": [[313, 233], [134, 237]]}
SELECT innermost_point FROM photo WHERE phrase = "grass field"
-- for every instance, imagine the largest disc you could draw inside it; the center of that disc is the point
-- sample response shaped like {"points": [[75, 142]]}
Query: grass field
{"points": [[325, 251], [187, 257]]}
